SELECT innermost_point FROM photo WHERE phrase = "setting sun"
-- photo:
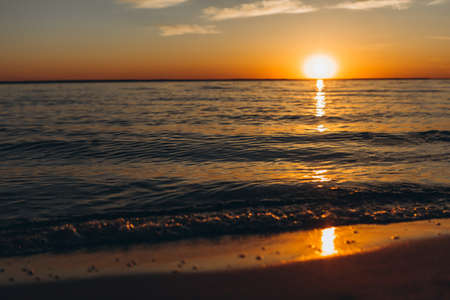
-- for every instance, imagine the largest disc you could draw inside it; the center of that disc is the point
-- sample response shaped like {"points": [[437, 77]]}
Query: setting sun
{"points": [[320, 66]]}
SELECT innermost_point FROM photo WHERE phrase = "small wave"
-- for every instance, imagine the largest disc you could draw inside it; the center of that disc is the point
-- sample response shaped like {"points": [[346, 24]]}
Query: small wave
{"points": [[140, 89], [216, 87], [350, 92], [200, 148], [344, 207]]}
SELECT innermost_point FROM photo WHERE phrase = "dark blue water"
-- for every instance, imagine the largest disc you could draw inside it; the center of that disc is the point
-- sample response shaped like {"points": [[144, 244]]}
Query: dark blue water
{"points": [[93, 164]]}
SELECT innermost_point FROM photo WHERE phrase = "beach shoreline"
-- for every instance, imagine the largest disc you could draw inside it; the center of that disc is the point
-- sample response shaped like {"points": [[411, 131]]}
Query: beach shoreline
{"points": [[407, 260], [417, 270]]}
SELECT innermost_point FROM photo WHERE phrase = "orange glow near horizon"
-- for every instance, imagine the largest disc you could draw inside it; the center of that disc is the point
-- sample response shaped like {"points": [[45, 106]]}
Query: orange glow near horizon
{"points": [[187, 65]]}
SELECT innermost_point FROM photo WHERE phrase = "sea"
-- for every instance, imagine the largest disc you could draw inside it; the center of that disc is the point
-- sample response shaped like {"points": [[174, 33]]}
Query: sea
{"points": [[99, 164]]}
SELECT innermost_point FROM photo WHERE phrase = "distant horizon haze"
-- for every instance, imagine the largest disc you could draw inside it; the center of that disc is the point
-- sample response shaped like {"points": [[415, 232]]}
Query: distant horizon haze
{"points": [[208, 79]]}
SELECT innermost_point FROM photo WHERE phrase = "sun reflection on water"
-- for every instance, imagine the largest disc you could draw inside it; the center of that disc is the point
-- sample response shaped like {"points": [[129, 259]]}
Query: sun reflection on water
{"points": [[320, 176], [321, 128], [320, 85], [320, 104], [328, 237]]}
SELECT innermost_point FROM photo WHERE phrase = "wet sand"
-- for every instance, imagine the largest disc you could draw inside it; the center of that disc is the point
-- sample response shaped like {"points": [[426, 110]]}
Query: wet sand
{"points": [[397, 261]]}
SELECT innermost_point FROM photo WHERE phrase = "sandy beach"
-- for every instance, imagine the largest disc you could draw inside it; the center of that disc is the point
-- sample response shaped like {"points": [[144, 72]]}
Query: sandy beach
{"points": [[245, 149], [397, 261]]}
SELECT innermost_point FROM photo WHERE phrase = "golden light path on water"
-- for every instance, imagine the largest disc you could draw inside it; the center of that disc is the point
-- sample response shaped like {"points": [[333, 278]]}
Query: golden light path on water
{"points": [[320, 104], [328, 237], [320, 101], [319, 175]]}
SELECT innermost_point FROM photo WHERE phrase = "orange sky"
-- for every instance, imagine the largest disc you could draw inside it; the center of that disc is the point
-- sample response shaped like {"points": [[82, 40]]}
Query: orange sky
{"points": [[63, 40]]}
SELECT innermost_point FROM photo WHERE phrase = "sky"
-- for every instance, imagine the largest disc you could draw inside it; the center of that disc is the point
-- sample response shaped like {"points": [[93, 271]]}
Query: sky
{"points": [[221, 39]]}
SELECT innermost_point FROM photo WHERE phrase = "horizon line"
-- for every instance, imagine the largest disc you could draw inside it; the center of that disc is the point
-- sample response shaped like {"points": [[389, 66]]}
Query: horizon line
{"points": [[208, 79]]}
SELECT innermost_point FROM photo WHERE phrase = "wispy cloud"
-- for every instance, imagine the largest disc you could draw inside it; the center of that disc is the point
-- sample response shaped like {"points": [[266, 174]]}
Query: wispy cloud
{"points": [[440, 37], [436, 2], [171, 30], [256, 9], [153, 3], [371, 4]]}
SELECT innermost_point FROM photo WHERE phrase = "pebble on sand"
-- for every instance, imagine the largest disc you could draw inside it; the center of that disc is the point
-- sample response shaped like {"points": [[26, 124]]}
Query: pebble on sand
{"points": [[2, 270], [241, 255], [396, 237], [258, 257], [92, 269], [131, 264], [28, 271], [11, 279]]}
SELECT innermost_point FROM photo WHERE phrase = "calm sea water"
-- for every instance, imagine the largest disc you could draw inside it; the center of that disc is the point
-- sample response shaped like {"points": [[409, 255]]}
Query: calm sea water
{"points": [[93, 164]]}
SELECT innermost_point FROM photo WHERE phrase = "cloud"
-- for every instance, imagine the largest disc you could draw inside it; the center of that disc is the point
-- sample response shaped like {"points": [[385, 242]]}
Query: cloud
{"points": [[440, 37], [171, 30], [153, 3], [436, 2], [256, 9], [370, 4]]}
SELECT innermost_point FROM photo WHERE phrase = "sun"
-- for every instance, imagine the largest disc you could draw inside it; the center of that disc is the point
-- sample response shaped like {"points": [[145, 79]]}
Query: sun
{"points": [[320, 66]]}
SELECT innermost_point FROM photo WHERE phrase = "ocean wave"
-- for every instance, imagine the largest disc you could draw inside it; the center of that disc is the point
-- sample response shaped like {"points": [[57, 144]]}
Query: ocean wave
{"points": [[38, 237], [117, 163], [140, 89], [198, 147], [216, 87], [383, 91], [168, 196]]}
